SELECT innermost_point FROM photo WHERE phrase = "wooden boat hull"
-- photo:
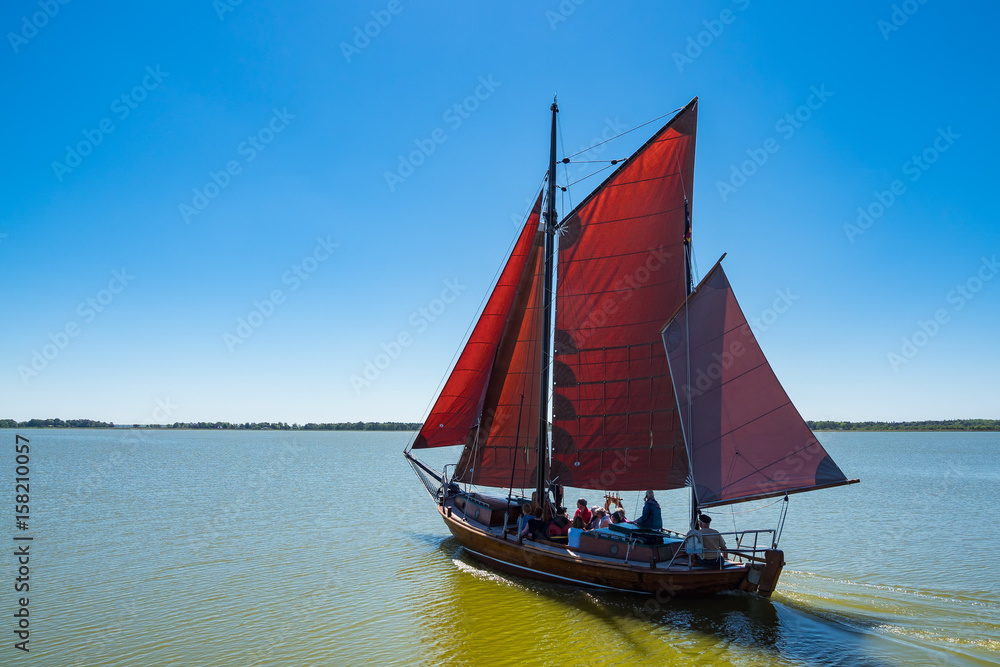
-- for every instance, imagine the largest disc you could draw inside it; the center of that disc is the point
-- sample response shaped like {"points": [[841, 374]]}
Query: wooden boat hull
{"points": [[547, 563]]}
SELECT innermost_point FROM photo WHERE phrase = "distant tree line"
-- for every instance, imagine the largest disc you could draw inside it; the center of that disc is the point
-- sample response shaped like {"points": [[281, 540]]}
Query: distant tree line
{"points": [[949, 425], [246, 426], [55, 423]]}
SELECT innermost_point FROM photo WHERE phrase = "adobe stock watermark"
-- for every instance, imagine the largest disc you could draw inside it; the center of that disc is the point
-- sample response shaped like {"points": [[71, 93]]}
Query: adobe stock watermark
{"points": [[419, 320], [295, 276], [958, 297], [769, 316], [223, 7], [87, 310], [117, 462], [122, 106], [30, 25], [518, 219], [249, 149], [622, 290], [252, 486], [566, 9], [714, 28], [591, 150], [786, 126], [620, 465], [381, 18], [914, 168], [594, 149], [314, 603], [900, 14], [454, 116], [703, 379]]}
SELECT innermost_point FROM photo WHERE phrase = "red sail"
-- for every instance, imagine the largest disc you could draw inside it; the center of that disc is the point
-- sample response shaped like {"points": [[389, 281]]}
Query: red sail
{"points": [[504, 451], [621, 276], [747, 440], [455, 417]]}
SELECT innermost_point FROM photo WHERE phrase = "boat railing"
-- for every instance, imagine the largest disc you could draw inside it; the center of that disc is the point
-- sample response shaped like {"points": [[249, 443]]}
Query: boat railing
{"points": [[740, 553]]}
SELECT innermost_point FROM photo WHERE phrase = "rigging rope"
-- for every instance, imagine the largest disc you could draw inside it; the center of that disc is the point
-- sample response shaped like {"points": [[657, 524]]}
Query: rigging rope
{"points": [[565, 160], [755, 509], [562, 142], [587, 176], [627, 131]]}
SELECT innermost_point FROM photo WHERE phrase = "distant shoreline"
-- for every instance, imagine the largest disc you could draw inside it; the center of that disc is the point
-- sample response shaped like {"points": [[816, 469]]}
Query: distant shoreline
{"points": [[213, 426], [956, 425], [974, 425]]}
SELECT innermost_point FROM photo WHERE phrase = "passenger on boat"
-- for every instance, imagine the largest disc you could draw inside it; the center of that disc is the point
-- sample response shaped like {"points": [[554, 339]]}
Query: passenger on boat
{"points": [[713, 545], [600, 520], [531, 525], [559, 526], [651, 517], [583, 511], [618, 516], [575, 532], [537, 529], [527, 514]]}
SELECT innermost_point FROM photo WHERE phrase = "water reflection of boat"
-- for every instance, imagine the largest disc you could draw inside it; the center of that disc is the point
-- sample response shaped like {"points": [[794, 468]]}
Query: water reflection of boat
{"points": [[709, 414]]}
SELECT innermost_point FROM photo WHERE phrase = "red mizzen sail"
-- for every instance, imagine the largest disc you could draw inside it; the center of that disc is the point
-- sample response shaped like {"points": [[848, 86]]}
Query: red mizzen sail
{"points": [[620, 276], [478, 405], [746, 439]]}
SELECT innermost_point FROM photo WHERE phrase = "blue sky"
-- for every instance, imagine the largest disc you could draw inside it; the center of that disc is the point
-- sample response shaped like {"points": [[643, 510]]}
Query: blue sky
{"points": [[170, 169]]}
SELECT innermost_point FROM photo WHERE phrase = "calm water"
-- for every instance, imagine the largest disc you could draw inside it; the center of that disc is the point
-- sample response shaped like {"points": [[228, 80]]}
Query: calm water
{"points": [[239, 548]]}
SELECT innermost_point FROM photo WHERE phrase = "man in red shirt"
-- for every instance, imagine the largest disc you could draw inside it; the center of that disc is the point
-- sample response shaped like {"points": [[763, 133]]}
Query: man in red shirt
{"points": [[583, 511]]}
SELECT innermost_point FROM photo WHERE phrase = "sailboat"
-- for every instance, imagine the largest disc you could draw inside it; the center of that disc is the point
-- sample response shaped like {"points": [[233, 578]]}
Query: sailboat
{"points": [[655, 384]]}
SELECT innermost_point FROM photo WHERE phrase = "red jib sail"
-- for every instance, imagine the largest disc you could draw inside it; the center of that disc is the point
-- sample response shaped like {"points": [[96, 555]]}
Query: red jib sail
{"points": [[746, 439], [478, 405], [621, 276], [504, 450]]}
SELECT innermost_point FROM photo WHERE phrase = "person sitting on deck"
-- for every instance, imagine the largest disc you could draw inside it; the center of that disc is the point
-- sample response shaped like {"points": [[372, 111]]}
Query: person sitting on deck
{"points": [[559, 526], [533, 527], [651, 518], [713, 545], [538, 528], [527, 514], [575, 532], [618, 516], [583, 511]]}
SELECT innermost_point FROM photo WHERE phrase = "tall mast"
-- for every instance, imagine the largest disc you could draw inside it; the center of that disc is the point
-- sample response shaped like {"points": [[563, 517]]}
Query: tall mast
{"points": [[550, 225]]}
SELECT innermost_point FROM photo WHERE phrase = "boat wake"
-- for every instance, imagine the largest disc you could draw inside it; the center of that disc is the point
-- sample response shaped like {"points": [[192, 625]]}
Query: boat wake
{"points": [[483, 574], [931, 622]]}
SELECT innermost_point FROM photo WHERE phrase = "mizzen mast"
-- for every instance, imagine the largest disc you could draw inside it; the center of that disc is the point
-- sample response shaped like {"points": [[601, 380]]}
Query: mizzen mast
{"points": [[689, 287]]}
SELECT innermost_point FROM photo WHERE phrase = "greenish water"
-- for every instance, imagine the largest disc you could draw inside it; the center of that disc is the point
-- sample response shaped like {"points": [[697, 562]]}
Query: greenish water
{"points": [[271, 548]]}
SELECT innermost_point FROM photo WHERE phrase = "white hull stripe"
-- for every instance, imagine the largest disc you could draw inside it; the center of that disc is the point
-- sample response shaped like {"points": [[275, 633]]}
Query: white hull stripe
{"points": [[554, 576]]}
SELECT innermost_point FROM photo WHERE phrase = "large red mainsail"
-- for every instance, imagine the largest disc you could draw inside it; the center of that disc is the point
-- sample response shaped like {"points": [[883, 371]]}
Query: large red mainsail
{"points": [[746, 439], [455, 417], [621, 275]]}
